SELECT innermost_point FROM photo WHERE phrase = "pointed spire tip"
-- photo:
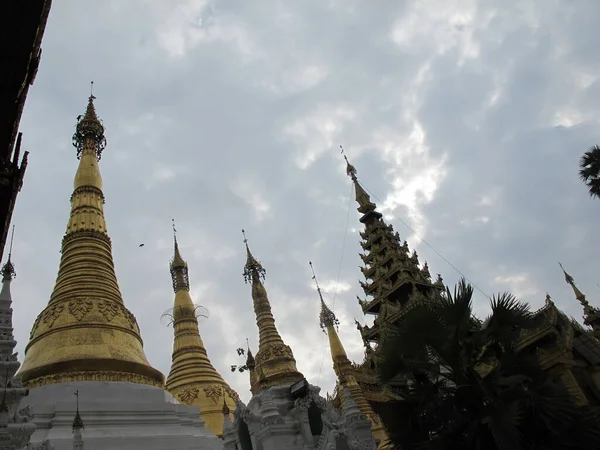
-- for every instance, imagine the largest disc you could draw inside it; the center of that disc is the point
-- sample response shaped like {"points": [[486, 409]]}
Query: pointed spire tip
{"points": [[327, 317], [178, 266], [253, 269], [77, 421], [350, 169], [568, 278]]}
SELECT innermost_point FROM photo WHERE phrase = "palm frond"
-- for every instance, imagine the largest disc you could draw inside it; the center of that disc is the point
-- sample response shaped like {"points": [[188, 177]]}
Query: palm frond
{"points": [[503, 422], [511, 405], [589, 170], [507, 317], [405, 347]]}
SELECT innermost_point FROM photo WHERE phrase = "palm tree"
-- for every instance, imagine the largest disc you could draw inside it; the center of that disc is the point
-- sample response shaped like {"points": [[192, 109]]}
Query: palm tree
{"points": [[469, 388], [589, 170]]}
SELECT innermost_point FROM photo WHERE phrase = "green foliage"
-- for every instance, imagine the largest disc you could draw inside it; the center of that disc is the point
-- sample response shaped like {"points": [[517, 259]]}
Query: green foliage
{"points": [[242, 368], [589, 170], [468, 387]]}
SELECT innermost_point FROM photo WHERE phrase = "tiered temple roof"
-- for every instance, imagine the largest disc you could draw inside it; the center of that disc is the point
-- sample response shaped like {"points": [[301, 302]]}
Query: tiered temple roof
{"points": [[394, 278]]}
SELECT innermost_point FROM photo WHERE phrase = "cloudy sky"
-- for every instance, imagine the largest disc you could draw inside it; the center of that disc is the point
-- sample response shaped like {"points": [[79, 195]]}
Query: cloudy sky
{"points": [[466, 120]]}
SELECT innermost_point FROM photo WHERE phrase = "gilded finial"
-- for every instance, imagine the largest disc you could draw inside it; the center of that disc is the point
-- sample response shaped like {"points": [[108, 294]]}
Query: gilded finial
{"points": [[89, 130], [177, 259], [8, 270], [350, 169], [366, 206], [77, 422], [578, 294], [326, 318], [253, 270], [178, 267], [568, 278]]}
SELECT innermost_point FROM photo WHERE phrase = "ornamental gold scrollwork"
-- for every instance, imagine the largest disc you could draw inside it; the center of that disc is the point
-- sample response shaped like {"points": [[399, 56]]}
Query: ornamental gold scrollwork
{"points": [[273, 351], [52, 313], [108, 309], [67, 377], [131, 320], [262, 356], [80, 307], [279, 350], [188, 395], [213, 392], [234, 395], [35, 325]]}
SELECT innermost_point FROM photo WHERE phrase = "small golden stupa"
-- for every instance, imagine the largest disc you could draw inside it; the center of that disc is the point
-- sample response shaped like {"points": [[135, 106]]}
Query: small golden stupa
{"points": [[344, 370], [274, 363], [193, 380]]}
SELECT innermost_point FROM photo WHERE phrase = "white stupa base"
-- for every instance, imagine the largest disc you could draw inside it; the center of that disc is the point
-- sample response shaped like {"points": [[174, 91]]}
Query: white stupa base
{"points": [[117, 416]]}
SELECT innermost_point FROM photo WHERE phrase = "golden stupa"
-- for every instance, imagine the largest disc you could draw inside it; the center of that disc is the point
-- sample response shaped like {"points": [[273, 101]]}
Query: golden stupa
{"points": [[274, 363], [86, 333], [344, 370], [193, 379]]}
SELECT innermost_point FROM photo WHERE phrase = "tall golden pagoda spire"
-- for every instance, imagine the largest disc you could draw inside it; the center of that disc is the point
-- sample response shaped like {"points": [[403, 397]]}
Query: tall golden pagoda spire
{"points": [[193, 379], [86, 333], [274, 361], [591, 315], [344, 369]]}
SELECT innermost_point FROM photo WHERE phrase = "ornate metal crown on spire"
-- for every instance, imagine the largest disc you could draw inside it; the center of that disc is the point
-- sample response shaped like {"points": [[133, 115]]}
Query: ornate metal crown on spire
{"points": [[8, 270], [89, 127], [253, 270], [568, 278], [327, 317], [179, 268], [350, 169], [580, 296]]}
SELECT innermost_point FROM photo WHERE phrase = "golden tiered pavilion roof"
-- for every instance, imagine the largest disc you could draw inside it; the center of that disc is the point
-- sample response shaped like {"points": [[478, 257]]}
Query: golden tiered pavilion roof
{"points": [[394, 278], [86, 333], [193, 379]]}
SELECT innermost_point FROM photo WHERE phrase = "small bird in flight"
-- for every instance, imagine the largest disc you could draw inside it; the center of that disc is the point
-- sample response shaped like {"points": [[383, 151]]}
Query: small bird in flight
{"points": [[141, 245]]}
